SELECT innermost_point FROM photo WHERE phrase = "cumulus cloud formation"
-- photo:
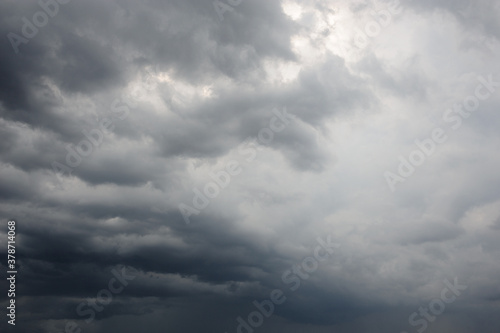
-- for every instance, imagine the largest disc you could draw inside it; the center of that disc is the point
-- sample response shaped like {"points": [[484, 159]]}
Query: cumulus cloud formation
{"points": [[251, 166]]}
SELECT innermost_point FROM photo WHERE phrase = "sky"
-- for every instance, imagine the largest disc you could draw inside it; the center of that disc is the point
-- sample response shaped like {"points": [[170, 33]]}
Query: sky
{"points": [[251, 166]]}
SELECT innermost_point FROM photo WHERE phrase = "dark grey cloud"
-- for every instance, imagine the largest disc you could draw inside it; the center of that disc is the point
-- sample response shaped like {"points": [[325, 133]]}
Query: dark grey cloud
{"points": [[142, 107]]}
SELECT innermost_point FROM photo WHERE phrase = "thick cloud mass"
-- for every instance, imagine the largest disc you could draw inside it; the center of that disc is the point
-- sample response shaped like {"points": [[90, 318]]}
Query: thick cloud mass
{"points": [[205, 150]]}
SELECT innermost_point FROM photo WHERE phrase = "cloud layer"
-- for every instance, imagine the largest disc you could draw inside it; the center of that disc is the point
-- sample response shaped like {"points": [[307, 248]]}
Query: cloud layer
{"points": [[115, 113]]}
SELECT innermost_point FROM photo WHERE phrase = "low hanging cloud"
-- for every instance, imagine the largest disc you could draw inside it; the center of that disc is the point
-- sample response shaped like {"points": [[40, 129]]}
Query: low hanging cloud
{"points": [[187, 165]]}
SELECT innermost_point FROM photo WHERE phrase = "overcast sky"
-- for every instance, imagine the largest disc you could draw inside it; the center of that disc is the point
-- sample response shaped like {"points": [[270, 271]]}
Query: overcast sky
{"points": [[181, 156]]}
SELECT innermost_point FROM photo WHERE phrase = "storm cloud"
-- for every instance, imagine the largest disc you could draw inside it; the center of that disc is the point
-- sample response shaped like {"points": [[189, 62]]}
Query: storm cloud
{"points": [[251, 166]]}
